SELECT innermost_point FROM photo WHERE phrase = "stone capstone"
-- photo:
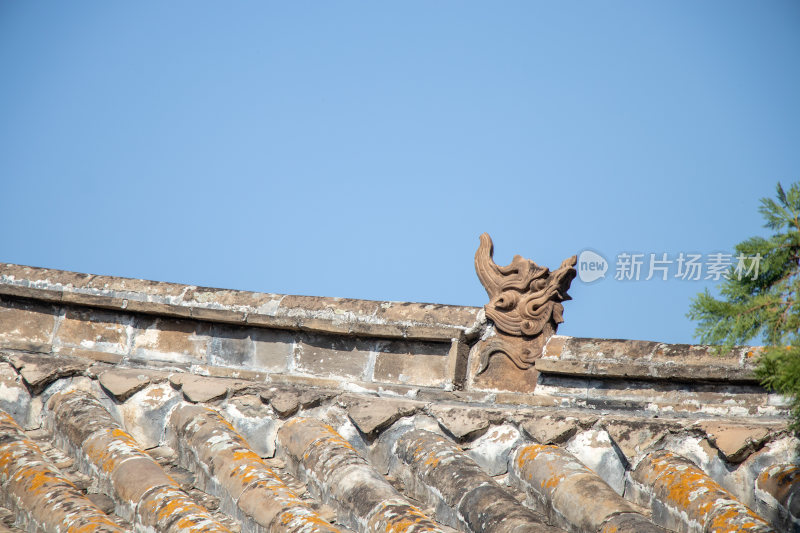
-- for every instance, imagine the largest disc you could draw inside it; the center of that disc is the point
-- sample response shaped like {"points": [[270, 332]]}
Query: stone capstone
{"points": [[286, 401], [199, 389], [548, 430], [633, 439], [123, 383], [371, 415], [39, 370], [735, 441], [462, 423]]}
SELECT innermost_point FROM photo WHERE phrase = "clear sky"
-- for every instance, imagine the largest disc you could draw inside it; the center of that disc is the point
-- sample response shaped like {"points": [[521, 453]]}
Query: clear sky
{"points": [[358, 149]]}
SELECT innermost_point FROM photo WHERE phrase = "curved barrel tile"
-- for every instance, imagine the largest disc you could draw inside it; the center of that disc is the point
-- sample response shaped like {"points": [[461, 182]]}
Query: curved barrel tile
{"points": [[454, 480], [684, 498], [43, 499], [343, 478], [208, 445], [777, 491], [576, 498], [143, 492]]}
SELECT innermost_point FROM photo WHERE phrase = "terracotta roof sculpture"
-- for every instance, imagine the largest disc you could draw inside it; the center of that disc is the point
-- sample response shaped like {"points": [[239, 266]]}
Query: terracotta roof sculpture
{"points": [[524, 304]]}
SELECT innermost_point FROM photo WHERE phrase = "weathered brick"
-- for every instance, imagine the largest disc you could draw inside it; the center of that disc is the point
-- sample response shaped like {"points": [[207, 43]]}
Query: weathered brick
{"points": [[26, 325], [443, 333], [643, 359], [94, 330], [333, 356], [24, 291], [445, 316], [229, 346], [170, 340], [218, 315], [94, 355], [414, 365], [272, 349], [224, 372], [340, 309]]}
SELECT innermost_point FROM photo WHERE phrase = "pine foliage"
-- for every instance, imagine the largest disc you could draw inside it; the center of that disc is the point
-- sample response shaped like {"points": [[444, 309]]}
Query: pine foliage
{"points": [[765, 306]]}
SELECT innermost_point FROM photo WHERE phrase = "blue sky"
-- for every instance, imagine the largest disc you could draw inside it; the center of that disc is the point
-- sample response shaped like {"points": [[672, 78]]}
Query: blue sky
{"points": [[358, 149]]}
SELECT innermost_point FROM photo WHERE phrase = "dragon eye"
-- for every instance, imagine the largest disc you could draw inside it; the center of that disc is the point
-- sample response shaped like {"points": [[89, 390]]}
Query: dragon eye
{"points": [[506, 300]]}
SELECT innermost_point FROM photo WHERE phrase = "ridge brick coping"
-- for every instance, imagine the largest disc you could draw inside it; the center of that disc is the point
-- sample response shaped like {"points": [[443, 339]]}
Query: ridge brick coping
{"points": [[416, 321], [646, 360], [114, 319]]}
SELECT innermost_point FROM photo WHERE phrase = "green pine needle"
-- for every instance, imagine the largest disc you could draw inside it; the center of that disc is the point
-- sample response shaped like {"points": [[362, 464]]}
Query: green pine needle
{"points": [[766, 307]]}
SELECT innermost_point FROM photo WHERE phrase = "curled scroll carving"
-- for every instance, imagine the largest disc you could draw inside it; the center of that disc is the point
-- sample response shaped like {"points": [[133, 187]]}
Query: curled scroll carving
{"points": [[524, 303]]}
